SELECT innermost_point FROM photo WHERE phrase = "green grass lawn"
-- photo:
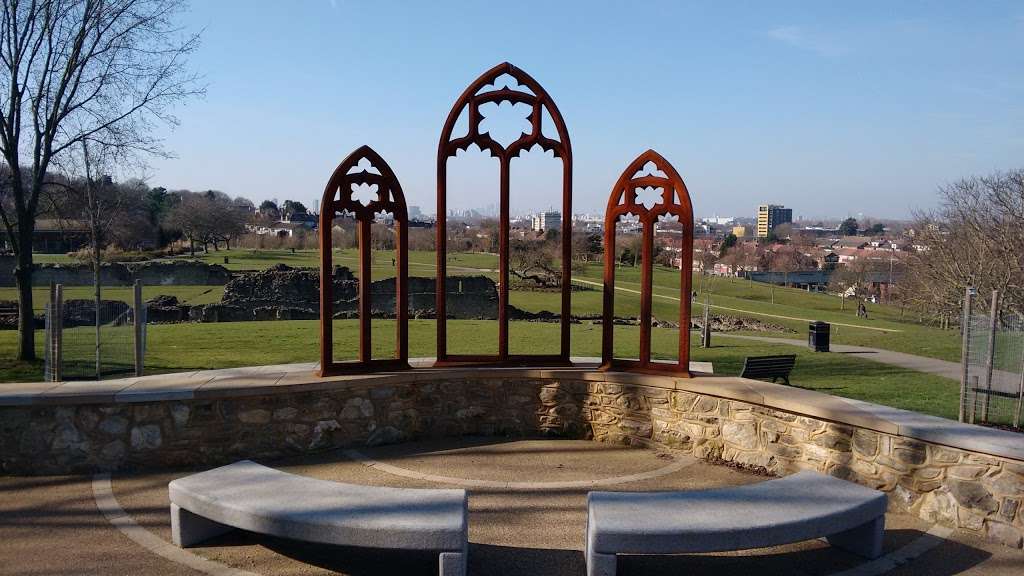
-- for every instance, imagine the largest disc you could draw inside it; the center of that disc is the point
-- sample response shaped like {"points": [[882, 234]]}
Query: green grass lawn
{"points": [[792, 308], [754, 297], [421, 263], [886, 327], [39, 258], [179, 347], [187, 294]]}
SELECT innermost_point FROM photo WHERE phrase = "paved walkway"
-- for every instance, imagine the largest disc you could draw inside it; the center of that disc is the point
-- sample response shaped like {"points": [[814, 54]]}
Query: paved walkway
{"points": [[527, 517], [908, 361]]}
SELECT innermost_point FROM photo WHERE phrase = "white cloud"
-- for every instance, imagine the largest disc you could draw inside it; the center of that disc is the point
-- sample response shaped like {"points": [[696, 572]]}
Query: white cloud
{"points": [[799, 38]]}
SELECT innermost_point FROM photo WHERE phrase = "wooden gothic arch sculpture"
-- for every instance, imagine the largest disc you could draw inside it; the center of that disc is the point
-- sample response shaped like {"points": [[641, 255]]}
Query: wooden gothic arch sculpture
{"points": [[365, 172], [469, 102], [645, 176]]}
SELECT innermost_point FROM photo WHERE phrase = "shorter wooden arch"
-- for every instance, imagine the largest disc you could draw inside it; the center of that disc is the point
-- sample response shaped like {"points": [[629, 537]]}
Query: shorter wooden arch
{"points": [[675, 201], [338, 197]]}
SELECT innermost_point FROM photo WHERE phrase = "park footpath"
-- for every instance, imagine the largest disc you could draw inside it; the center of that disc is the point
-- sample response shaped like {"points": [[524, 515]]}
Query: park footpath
{"points": [[934, 366]]}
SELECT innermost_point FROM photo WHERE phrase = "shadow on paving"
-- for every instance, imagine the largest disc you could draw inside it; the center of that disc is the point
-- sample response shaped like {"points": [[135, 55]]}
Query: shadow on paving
{"points": [[949, 559]]}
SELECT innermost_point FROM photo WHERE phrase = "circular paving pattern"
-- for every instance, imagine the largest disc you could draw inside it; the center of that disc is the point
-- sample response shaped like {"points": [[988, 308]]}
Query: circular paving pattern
{"points": [[527, 513]]}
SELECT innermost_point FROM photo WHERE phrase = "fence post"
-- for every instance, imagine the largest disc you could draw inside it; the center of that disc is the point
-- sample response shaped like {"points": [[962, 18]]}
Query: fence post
{"points": [[51, 332], [58, 333], [993, 324], [705, 340], [1020, 392], [139, 326], [965, 351]]}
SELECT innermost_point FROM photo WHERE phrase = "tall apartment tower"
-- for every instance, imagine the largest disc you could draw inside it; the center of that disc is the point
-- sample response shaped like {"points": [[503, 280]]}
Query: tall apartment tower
{"points": [[769, 216]]}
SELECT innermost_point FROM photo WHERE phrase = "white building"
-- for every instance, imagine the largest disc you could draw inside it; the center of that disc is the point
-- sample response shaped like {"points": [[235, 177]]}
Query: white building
{"points": [[545, 221], [718, 220]]}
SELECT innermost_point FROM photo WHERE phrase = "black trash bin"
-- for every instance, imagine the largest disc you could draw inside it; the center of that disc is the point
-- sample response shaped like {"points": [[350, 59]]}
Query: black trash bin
{"points": [[818, 336]]}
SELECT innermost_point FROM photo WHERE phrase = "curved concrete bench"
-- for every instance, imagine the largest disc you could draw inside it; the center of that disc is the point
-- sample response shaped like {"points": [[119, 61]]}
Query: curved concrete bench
{"points": [[800, 507], [252, 497]]}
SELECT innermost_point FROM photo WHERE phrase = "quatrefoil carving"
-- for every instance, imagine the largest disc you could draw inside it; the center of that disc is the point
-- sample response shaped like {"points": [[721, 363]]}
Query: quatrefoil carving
{"points": [[649, 196], [365, 194], [505, 122]]}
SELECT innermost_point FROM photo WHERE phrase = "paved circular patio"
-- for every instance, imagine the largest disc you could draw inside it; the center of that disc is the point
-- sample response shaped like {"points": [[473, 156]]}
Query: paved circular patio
{"points": [[527, 516]]}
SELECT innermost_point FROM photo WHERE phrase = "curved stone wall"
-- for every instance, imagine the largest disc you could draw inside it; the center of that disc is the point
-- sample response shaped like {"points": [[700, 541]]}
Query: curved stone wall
{"points": [[957, 475]]}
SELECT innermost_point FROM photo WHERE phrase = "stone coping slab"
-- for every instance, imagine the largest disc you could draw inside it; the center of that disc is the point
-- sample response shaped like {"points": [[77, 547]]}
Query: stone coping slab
{"points": [[293, 378]]}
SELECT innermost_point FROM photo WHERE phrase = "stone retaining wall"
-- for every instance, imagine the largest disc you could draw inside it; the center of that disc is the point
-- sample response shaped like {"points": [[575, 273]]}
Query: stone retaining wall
{"points": [[950, 486]]}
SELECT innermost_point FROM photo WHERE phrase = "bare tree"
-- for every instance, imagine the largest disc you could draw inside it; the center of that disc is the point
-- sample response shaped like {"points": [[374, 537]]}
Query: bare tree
{"points": [[102, 206], [191, 217], [842, 279], [421, 239], [74, 71], [382, 237], [535, 261], [586, 246], [975, 238], [706, 255]]}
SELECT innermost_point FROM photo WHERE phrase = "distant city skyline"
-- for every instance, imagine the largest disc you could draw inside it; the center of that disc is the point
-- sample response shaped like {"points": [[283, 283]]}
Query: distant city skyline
{"points": [[832, 109]]}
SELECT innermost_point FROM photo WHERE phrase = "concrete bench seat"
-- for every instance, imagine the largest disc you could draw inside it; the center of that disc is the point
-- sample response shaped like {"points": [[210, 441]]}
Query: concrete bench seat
{"points": [[253, 497], [800, 507]]}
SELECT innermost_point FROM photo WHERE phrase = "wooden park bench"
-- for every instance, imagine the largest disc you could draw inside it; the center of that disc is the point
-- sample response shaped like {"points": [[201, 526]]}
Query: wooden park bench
{"points": [[768, 367], [253, 497], [800, 507]]}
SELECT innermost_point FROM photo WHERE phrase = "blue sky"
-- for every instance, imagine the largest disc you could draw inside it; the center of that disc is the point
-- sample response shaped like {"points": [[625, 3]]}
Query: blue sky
{"points": [[830, 108]]}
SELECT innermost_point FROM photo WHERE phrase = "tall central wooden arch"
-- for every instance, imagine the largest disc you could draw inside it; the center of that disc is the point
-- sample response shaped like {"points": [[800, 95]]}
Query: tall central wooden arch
{"points": [[674, 201], [470, 101]]}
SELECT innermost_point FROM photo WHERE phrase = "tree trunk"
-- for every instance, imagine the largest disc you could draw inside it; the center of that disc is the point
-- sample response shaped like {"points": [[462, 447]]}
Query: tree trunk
{"points": [[192, 246], [23, 276], [97, 268]]}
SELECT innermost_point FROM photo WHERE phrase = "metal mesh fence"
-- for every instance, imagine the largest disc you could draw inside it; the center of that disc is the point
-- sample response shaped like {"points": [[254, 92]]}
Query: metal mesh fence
{"points": [[86, 352], [995, 370]]}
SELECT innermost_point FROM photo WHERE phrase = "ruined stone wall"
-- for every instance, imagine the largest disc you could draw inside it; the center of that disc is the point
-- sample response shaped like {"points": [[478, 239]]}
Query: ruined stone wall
{"points": [[285, 293], [151, 273], [950, 486]]}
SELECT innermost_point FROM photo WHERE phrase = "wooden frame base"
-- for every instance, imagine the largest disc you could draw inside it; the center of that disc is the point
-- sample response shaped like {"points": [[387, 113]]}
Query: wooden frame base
{"points": [[358, 367], [662, 368], [520, 360]]}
